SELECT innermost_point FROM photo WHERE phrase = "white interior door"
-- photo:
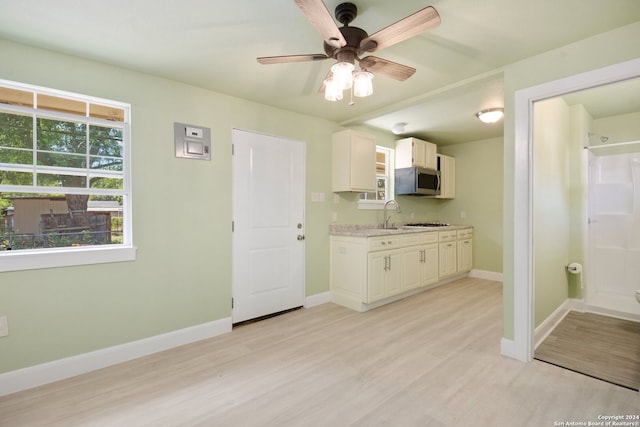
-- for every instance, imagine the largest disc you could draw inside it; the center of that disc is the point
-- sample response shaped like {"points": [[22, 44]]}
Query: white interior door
{"points": [[268, 215]]}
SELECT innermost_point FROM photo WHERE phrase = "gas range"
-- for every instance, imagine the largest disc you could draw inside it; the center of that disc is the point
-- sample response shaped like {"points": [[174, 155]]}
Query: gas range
{"points": [[427, 224]]}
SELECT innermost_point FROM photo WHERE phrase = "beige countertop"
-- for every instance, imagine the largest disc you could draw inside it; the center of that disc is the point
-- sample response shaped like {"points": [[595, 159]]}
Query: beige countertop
{"points": [[372, 230]]}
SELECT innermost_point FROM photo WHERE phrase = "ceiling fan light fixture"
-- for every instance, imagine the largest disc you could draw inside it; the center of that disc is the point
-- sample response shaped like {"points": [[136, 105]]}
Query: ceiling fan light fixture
{"points": [[490, 115], [342, 74], [362, 83], [331, 91]]}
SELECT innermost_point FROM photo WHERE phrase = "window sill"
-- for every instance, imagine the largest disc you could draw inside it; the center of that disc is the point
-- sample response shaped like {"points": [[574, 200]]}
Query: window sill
{"points": [[65, 257]]}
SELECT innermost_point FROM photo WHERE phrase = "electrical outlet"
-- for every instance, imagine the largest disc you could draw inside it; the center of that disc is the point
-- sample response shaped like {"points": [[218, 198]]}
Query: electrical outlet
{"points": [[4, 326]]}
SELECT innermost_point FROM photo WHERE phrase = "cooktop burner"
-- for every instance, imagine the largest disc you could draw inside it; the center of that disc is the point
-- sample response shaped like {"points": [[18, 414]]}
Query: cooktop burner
{"points": [[428, 224]]}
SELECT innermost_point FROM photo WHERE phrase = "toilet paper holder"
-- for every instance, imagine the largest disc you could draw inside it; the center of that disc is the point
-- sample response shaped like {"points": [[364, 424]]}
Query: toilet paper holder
{"points": [[574, 268]]}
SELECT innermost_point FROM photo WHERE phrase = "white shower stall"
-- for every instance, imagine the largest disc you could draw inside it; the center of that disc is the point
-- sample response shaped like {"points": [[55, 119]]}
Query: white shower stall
{"points": [[612, 267]]}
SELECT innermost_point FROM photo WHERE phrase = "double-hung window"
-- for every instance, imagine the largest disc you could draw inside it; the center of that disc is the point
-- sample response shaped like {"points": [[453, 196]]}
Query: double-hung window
{"points": [[64, 179]]}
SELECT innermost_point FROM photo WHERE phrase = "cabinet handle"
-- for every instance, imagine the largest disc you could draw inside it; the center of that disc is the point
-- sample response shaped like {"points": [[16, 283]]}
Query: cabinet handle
{"points": [[389, 256], [423, 256]]}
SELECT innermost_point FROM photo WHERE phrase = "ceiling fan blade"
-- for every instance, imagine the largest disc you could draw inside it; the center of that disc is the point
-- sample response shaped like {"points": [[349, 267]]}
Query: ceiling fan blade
{"points": [[291, 58], [404, 29], [388, 68], [319, 16]]}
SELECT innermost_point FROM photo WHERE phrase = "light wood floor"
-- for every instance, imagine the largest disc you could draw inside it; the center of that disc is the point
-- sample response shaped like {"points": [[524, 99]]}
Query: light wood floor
{"points": [[600, 346], [429, 360]]}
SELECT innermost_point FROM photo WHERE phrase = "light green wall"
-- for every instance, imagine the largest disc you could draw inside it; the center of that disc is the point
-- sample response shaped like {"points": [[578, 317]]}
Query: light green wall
{"points": [[551, 201], [479, 195], [622, 128], [595, 52], [580, 125], [181, 217]]}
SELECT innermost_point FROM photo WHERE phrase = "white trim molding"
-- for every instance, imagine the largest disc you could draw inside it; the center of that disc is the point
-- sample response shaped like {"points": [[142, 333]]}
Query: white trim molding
{"points": [[549, 324], [507, 348], [488, 275], [317, 299], [34, 376]]}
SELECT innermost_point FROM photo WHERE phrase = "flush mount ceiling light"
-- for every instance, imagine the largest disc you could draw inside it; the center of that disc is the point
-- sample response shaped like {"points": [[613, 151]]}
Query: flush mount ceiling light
{"points": [[398, 128], [347, 44], [490, 115]]}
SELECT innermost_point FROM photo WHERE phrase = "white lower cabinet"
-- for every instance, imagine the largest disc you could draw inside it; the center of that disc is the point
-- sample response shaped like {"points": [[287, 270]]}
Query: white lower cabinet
{"points": [[448, 254], [383, 275], [456, 252], [368, 270], [465, 249], [419, 260]]}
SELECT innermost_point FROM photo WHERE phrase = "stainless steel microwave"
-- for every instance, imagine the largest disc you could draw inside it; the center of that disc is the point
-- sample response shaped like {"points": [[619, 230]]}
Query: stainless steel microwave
{"points": [[417, 181]]}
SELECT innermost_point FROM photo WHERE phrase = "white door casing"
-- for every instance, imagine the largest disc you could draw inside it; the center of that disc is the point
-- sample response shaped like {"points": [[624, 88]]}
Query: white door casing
{"points": [[268, 215]]}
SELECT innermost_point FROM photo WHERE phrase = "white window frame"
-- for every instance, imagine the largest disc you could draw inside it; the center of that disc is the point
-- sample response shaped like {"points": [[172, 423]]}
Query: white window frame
{"points": [[28, 259], [379, 204]]}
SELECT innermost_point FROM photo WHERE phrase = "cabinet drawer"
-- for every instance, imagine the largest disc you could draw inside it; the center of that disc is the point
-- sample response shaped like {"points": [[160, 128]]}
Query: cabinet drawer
{"points": [[465, 233], [426, 238], [447, 236], [411, 239], [383, 242]]}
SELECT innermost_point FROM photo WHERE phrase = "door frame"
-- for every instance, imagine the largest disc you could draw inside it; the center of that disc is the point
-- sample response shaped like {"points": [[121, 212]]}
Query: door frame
{"points": [[523, 261]]}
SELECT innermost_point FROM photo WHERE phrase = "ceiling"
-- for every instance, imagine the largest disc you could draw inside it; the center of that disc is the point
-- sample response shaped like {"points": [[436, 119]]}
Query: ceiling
{"points": [[213, 44]]}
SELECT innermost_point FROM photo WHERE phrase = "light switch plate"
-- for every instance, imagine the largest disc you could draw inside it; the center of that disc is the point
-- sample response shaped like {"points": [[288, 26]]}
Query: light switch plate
{"points": [[4, 326]]}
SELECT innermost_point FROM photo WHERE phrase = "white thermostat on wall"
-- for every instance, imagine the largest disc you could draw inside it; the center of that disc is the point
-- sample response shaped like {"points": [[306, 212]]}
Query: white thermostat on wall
{"points": [[192, 142]]}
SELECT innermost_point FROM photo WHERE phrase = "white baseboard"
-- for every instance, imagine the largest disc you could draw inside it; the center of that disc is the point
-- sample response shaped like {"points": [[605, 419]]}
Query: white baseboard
{"points": [[549, 324], [317, 299], [488, 275], [34, 376], [582, 306], [507, 348]]}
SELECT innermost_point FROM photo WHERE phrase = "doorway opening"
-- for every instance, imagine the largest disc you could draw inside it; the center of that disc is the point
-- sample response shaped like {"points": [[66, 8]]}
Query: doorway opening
{"points": [[523, 261]]}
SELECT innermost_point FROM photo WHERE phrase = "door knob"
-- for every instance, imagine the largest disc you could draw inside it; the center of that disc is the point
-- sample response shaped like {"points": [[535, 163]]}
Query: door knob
{"points": [[300, 236]]}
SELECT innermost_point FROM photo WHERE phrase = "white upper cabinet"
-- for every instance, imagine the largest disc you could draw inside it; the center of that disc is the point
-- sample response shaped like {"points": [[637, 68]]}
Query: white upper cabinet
{"points": [[447, 168], [353, 162], [416, 152]]}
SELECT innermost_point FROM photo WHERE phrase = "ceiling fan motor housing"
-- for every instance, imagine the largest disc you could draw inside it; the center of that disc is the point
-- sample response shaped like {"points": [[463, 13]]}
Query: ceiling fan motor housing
{"points": [[346, 12], [350, 51]]}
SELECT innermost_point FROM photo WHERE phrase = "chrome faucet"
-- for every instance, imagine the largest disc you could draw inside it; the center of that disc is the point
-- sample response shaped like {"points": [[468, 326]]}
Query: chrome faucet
{"points": [[387, 218]]}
